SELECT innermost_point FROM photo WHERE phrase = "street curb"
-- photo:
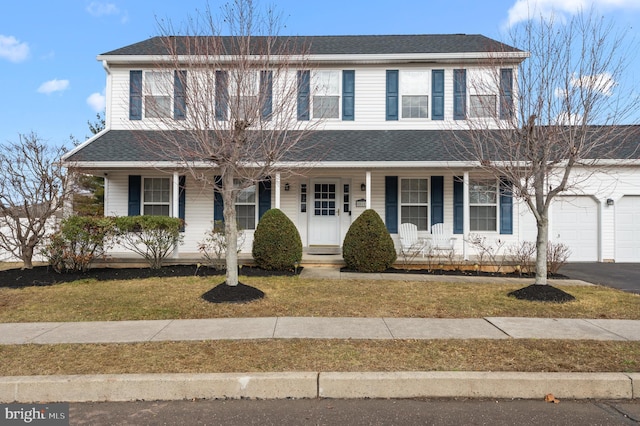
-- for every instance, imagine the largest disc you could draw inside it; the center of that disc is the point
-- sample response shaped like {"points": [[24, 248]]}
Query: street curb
{"points": [[443, 384], [304, 385]]}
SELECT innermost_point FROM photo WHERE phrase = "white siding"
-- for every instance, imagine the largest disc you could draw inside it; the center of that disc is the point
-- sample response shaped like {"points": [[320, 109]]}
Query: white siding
{"points": [[370, 99]]}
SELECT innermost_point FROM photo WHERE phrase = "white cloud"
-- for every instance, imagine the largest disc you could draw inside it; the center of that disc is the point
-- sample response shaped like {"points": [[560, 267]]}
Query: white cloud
{"points": [[603, 83], [12, 49], [522, 10], [97, 101], [54, 85], [97, 8]]}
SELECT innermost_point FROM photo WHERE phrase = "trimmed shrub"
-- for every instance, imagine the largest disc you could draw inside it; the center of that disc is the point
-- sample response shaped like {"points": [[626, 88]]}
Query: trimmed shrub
{"points": [[79, 241], [276, 242], [152, 237], [368, 247]]}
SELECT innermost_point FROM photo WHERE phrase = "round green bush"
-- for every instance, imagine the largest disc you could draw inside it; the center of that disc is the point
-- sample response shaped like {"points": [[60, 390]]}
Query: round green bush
{"points": [[276, 242], [368, 247]]}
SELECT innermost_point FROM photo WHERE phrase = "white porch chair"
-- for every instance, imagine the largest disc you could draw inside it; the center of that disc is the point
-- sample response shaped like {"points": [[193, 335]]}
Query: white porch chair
{"points": [[441, 239], [409, 240]]}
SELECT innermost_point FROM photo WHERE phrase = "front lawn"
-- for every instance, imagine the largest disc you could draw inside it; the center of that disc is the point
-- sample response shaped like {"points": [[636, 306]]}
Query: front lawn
{"points": [[179, 298]]}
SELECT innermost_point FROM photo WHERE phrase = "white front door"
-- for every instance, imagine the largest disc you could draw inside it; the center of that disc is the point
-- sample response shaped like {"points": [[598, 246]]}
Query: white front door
{"points": [[324, 215]]}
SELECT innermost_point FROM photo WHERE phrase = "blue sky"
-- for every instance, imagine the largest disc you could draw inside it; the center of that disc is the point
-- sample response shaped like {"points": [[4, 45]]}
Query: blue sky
{"points": [[51, 83]]}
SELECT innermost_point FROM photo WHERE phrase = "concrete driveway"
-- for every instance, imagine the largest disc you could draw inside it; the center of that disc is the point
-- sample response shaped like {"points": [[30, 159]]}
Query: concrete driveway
{"points": [[623, 276]]}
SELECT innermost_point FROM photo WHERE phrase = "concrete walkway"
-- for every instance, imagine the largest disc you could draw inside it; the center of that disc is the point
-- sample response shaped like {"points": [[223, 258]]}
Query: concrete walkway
{"points": [[318, 328], [126, 387]]}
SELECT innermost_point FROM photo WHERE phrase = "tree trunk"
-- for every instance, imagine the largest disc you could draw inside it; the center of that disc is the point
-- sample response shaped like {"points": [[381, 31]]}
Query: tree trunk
{"points": [[27, 256], [541, 250], [230, 229]]}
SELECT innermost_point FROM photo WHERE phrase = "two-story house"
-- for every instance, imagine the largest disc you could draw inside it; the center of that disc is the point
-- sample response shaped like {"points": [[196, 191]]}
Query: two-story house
{"points": [[389, 109]]}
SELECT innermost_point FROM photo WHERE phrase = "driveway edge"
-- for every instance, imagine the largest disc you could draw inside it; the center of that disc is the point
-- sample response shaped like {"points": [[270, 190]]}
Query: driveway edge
{"points": [[302, 385]]}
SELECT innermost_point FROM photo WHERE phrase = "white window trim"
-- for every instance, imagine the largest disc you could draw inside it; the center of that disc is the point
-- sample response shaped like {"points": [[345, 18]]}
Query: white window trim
{"points": [[428, 204], [145, 203], [255, 203], [402, 94], [496, 204], [315, 92]]}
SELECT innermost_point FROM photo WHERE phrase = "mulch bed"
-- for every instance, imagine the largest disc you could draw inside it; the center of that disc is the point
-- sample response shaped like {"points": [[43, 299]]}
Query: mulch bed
{"points": [[240, 293], [44, 276], [467, 273], [542, 293]]}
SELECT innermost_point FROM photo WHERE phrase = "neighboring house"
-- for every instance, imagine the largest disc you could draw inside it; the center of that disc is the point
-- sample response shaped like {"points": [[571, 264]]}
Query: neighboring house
{"points": [[391, 110]]}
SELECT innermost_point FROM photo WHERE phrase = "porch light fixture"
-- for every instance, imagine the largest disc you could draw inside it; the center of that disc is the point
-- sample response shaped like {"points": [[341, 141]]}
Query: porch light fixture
{"points": [[286, 186], [363, 187], [609, 201]]}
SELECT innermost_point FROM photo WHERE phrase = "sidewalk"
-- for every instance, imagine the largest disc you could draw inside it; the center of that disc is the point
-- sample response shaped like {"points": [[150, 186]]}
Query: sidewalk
{"points": [[318, 328], [323, 384]]}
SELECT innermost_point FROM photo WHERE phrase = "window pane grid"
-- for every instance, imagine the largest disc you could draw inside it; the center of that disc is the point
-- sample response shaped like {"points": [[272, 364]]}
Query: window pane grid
{"points": [[414, 199], [246, 207], [482, 106], [246, 216], [326, 106], [415, 106], [156, 197], [483, 201], [324, 199]]}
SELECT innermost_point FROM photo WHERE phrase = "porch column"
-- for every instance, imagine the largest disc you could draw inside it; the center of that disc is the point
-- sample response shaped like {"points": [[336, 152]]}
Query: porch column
{"points": [[105, 209], [466, 220], [277, 184], [176, 195], [175, 204], [368, 191]]}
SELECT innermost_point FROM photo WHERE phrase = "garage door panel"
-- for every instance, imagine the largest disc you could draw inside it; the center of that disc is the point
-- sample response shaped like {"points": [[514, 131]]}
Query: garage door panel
{"points": [[575, 224], [627, 229]]}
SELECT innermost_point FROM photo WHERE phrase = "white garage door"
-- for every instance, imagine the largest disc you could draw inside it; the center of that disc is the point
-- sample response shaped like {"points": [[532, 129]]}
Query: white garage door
{"points": [[575, 224], [628, 229]]}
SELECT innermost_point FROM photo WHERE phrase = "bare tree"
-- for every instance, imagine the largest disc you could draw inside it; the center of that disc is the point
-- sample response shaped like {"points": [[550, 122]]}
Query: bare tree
{"points": [[547, 133], [235, 111], [32, 190]]}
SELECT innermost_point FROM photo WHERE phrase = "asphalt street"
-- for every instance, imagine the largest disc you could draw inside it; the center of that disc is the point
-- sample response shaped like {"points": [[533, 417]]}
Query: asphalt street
{"points": [[358, 412]]}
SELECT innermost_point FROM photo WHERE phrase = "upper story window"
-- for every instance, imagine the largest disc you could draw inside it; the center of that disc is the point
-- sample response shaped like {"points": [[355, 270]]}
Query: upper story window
{"points": [[483, 205], [157, 94], [414, 202], [414, 92], [326, 94], [158, 86], [322, 96], [243, 94], [156, 197]]}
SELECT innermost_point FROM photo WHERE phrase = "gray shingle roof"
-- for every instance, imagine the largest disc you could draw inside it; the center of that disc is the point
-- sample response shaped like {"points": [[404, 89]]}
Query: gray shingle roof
{"points": [[349, 44], [342, 145]]}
